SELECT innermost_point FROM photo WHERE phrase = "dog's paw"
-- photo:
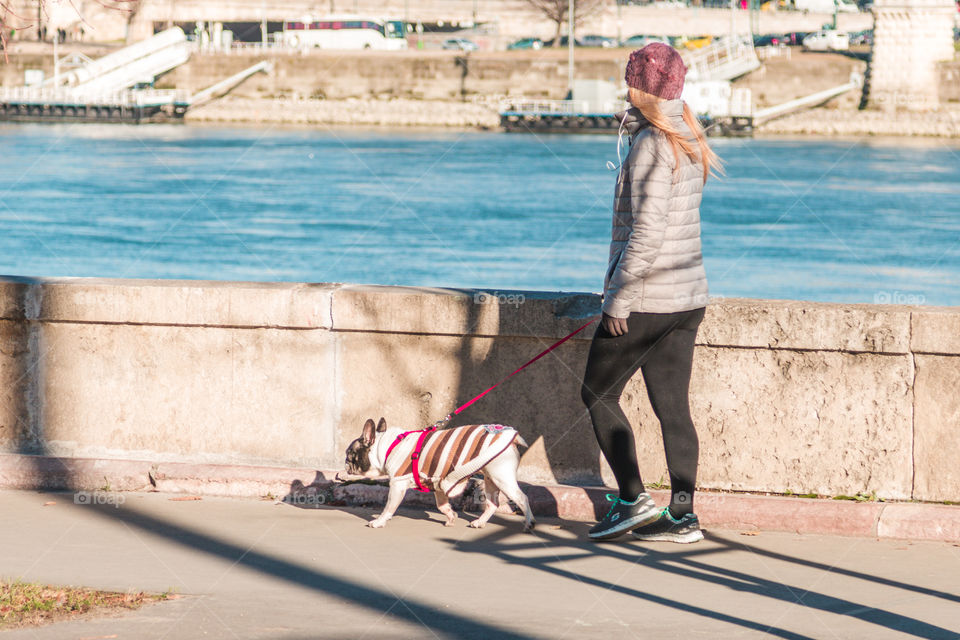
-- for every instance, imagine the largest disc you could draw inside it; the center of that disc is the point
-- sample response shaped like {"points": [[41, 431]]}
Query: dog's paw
{"points": [[379, 523], [450, 523], [477, 524]]}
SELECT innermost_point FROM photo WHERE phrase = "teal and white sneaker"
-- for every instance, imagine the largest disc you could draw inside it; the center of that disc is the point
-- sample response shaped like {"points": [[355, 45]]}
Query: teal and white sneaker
{"points": [[624, 516], [666, 528]]}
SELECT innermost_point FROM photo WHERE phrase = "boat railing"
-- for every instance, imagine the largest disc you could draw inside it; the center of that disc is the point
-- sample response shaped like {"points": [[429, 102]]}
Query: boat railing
{"points": [[72, 97], [560, 107]]}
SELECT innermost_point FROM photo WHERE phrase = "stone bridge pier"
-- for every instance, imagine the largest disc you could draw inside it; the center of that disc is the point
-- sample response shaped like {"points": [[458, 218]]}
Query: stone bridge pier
{"points": [[910, 38]]}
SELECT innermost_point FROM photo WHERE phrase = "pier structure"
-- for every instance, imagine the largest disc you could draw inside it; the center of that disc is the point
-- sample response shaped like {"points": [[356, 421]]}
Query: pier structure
{"points": [[117, 87]]}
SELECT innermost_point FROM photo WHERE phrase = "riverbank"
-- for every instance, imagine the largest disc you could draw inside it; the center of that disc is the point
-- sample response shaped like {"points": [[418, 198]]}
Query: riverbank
{"points": [[399, 112], [850, 122], [847, 121]]}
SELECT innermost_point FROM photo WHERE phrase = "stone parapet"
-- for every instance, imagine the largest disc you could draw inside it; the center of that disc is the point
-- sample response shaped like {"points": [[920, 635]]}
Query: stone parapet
{"points": [[788, 396]]}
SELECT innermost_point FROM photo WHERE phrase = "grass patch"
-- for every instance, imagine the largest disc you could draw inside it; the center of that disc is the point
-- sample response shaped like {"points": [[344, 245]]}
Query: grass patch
{"points": [[801, 495], [28, 604], [659, 484], [860, 497]]}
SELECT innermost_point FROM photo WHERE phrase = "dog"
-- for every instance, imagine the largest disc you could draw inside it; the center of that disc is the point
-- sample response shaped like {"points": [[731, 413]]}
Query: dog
{"points": [[447, 457]]}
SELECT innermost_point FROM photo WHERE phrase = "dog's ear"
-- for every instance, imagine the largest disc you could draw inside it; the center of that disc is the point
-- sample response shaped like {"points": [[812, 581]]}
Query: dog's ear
{"points": [[368, 435], [382, 425]]}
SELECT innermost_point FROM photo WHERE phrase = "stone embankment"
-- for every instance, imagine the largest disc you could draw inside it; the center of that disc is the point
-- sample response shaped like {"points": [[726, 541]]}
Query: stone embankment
{"points": [[398, 113], [944, 123], [440, 113]]}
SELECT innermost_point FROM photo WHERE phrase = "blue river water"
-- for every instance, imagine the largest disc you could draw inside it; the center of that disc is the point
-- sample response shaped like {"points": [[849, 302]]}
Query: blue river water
{"points": [[811, 219]]}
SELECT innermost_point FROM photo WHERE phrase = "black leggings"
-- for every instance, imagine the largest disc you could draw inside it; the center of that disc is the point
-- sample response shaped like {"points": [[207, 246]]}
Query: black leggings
{"points": [[661, 346]]}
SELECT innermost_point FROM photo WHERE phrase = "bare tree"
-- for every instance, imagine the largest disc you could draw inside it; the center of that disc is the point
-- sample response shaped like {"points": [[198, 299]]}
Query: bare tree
{"points": [[133, 8], [7, 18], [11, 20], [556, 11]]}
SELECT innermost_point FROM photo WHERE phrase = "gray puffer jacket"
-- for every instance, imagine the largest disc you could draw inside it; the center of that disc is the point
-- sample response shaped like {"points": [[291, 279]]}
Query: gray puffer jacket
{"points": [[656, 265]]}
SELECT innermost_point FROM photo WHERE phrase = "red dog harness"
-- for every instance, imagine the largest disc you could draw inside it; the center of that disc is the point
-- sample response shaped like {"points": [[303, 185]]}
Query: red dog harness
{"points": [[415, 456]]}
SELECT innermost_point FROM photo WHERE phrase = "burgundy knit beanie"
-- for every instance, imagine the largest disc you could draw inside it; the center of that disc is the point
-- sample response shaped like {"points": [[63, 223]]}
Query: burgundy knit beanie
{"points": [[656, 69]]}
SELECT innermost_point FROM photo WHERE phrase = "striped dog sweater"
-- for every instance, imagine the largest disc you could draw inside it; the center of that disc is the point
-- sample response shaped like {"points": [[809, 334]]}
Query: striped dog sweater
{"points": [[450, 455]]}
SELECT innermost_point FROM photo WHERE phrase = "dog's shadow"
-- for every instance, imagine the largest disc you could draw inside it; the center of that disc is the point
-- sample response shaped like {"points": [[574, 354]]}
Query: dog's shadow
{"points": [[364, 498]]}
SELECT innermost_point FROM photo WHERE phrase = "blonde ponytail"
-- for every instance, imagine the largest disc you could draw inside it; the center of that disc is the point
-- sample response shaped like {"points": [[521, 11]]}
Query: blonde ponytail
{"points": [[654, 115]]}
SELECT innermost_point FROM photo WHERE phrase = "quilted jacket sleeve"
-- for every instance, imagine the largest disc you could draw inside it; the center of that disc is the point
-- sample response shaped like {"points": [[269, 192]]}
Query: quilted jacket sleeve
{"points": [[650, 180]]}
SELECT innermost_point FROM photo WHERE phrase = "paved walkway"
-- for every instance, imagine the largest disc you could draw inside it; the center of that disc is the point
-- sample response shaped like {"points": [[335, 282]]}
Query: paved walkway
{"points": [[255, 569]]}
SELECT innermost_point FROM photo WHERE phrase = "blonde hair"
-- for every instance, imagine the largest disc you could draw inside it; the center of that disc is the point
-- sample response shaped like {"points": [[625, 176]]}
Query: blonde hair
{"points": [[649, 106]]}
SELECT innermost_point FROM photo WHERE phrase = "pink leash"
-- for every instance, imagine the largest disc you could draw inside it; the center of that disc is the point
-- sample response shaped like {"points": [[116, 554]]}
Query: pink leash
{"points": [[415, 456]]}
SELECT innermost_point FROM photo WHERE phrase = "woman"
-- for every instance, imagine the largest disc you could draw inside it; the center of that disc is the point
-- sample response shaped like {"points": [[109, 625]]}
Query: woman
{"points": [[655, 294]]}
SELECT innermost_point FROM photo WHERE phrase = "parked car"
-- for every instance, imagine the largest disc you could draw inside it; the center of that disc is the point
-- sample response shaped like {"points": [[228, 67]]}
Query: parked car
{"points": [[827, 40], [825, 6], [526, 43], [795, 38], [690, 43], [639, 41], [769, 40], [563, 42], [460, 44], [598, 41], [861, 37]]}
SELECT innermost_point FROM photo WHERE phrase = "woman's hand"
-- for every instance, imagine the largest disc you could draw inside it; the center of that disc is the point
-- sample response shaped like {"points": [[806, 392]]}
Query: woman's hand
{"points": [[614, 326]]}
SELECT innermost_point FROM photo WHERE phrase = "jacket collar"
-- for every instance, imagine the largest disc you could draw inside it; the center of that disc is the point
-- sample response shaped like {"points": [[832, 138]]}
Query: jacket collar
{"points": [[633, 121], [672, 108]]}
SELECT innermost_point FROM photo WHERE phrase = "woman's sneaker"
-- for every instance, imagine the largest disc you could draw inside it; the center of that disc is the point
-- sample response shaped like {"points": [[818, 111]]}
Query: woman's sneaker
{"points": [[666, 528], [624, 516]]}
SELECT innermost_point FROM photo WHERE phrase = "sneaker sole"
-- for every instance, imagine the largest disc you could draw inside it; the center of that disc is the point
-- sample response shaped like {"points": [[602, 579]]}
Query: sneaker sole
{"points": [[626, 525], [685, 538]]}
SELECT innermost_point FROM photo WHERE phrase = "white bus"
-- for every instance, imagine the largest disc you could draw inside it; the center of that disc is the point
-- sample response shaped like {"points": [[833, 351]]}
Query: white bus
{"points": [[345, 32]]}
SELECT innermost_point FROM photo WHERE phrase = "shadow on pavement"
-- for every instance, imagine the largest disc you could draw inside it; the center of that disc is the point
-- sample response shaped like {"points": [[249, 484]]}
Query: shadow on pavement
{"points": [[437, 621], [832, 569], [686, 562]]}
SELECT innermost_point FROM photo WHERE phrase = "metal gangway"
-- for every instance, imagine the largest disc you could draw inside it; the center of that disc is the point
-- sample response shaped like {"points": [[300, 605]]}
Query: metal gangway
{"points": [[814, 99], [726, 58], [210, 92], [103, 89], [136, 64]]}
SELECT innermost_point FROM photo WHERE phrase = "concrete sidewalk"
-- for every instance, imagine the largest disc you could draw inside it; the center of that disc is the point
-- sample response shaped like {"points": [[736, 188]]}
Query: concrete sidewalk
{"points": [[898, 520], [257, 569]]}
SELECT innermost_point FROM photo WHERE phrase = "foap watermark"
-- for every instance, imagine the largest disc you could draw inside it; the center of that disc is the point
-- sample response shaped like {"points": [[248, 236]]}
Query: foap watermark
{"points": [[696, 299], [681, 498], [307, 499], [99, 498], [898, 297], [502, 299]]}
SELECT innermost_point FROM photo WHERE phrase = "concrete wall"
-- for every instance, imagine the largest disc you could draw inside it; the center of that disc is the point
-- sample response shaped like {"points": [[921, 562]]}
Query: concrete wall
{"points": [[422, 75], [787, 396], [434, 75], [490, 76], [513, 18]]}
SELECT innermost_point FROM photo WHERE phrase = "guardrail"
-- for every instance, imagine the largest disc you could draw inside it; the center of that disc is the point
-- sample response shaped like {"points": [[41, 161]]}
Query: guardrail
{"points": [[723, 59], [561, 107], [59, 96]]}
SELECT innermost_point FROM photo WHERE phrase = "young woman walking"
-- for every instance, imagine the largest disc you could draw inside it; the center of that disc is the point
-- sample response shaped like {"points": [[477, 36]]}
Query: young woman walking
{"points": [[655, 293]]}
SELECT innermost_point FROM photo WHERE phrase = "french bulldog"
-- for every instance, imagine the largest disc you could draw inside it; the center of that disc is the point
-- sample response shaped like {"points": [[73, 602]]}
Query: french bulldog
{"points": [[446, 459]]}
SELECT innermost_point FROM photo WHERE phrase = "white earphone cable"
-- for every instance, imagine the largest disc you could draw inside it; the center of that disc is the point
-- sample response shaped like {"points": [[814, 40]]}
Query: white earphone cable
{"points": [[610, 164]]}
